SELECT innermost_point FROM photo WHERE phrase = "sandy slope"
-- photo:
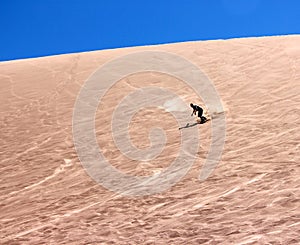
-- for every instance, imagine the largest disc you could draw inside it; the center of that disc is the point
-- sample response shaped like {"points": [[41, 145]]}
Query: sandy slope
{"points": [[252, 197]]}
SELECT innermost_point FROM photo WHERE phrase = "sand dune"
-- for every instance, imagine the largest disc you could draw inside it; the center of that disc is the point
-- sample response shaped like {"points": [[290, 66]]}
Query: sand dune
{"points": [[251, 197]]}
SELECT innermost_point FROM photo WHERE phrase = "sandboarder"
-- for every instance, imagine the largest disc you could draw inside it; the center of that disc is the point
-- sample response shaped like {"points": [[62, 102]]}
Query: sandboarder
{"points": [[198, 109]]}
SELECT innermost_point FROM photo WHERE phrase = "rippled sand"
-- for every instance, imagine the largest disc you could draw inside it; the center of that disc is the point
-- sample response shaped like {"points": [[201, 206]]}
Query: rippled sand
{"points": [[252, 197]]}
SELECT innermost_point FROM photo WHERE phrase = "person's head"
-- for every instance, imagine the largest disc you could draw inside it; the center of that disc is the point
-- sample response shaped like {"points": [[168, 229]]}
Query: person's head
{"points": [[192, 105]]}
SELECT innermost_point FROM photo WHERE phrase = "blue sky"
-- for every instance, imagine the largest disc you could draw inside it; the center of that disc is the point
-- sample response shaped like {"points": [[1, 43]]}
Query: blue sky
{"points": [[34, 28]]}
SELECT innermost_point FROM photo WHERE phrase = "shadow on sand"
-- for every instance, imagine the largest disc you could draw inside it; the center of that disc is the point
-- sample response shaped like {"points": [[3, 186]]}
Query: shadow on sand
{"points": [[188, 125]]}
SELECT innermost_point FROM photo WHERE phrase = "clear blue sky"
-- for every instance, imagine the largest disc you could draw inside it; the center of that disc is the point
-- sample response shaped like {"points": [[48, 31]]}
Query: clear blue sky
{"points": [[34, 28]]}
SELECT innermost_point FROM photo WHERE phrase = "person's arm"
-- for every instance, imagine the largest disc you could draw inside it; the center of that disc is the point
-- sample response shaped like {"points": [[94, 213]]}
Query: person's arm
{"points": [[194, 112]]}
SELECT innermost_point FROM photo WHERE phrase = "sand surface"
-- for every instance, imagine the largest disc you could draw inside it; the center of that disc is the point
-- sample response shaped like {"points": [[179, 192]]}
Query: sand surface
{"points": [[252, 197]]}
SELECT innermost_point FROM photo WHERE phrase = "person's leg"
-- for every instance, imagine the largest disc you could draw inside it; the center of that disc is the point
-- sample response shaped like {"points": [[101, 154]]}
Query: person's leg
{"points": [[203, 119], [200, 112]]}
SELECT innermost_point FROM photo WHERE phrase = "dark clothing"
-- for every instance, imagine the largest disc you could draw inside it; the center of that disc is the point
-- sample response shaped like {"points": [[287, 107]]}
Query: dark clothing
{"points": [[199, 109]]}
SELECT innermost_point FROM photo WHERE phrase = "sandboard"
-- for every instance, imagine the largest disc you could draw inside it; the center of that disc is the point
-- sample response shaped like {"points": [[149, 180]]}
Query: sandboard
{"points": [[202, 120], [198, 121]]}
